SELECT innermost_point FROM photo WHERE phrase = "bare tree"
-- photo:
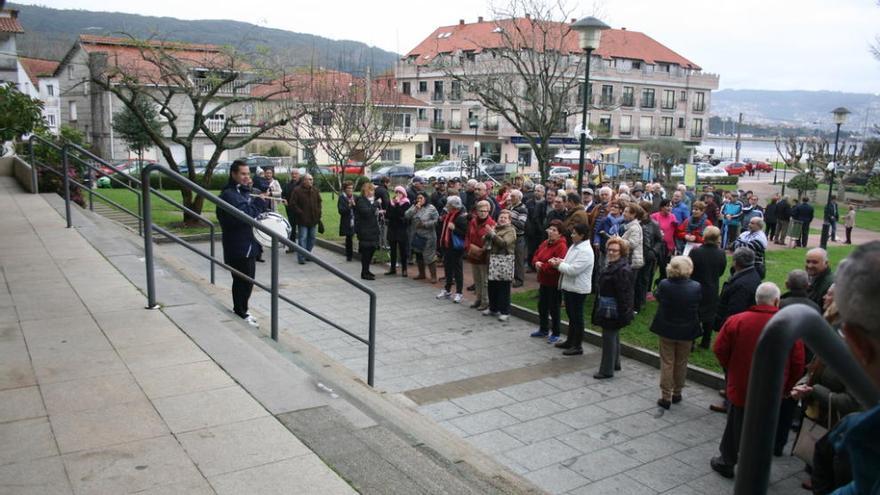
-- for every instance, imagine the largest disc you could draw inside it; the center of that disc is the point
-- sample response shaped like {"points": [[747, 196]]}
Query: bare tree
{"points": [[531, 77], [199, 92], [792, 150], [350, 119]]}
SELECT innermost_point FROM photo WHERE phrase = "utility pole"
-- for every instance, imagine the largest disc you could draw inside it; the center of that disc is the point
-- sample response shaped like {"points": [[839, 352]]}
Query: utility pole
{"points": [[738, 135]]}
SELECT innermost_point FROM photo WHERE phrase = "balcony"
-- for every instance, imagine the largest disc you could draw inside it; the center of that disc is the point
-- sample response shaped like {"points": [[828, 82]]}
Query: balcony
{"points": [[490, 127], [699, 107], [217, 125], [625, 132], [628, 101], [667, 132], [455, 126], [647, 103], [437, 96], [603, 131], [646, 131], [455, 96], [438, 125], [668, 105], [236, 87], [697, 133], [606, 101]]}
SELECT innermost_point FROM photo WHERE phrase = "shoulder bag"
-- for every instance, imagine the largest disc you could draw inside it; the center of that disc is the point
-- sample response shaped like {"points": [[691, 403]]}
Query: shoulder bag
{"points": [[808, 435], [501, 267]]}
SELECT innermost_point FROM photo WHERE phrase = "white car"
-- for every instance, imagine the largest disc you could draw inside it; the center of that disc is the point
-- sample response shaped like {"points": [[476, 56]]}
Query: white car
{"points": [[447, 172], [563, 172], [707, 172]]}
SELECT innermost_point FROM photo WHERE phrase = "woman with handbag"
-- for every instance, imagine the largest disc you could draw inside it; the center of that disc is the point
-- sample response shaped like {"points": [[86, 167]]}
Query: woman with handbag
{"points": [[576, 273], [477, 252], [367, 209], [502, 241], [452, 236], [423, 217], [677, 323], [398, 240], [549, 296], [612, 309]]}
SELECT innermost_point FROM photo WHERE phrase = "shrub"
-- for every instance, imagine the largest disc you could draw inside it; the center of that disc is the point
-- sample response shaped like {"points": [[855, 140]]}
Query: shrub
{"points": [[803, 182]]}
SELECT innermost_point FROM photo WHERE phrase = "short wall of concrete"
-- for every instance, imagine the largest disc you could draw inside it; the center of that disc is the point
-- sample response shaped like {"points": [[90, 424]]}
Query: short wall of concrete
{"points": [[6, 165], [16, 167]]}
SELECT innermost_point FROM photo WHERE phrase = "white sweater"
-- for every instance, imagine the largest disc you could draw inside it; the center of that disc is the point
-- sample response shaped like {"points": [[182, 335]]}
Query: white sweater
{"points": [[577, 268]]}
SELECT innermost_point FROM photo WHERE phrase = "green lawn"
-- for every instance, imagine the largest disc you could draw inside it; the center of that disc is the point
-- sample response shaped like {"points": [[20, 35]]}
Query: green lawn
{"points": [[638, 333]]}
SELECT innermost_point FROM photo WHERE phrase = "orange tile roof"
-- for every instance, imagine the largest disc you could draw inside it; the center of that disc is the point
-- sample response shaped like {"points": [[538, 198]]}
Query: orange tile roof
{"points": [[126, 54], [10, 24], [615, 43], [309, 86], [38, 67]]}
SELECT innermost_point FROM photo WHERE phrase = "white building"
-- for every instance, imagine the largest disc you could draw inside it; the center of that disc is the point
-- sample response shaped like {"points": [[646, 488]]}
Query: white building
{"points": [[39, 82]]}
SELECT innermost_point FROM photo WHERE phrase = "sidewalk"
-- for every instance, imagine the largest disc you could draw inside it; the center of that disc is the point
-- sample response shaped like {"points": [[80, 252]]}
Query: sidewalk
{"points": [[98, 395]]}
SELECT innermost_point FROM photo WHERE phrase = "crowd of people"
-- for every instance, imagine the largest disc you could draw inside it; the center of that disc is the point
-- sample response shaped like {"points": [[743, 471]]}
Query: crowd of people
{"points": [[624, 247]]}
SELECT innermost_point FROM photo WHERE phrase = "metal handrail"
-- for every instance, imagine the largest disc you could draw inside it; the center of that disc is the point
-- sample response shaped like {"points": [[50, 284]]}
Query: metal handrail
{"points": [[277, 241], [65, 156], [766, 381]]}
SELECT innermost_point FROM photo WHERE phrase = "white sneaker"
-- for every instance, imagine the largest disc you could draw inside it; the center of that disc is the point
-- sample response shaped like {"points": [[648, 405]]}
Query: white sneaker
{"points": [[444, 294], [457, 298], [503, 317], [251, 321], [489, 312]]}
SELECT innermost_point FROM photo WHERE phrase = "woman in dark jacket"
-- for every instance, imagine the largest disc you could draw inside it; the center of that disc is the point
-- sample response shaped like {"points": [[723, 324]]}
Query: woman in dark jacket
{"points": [[652, 250], [398, 238], [677, 322], [710, 263], [367, 227], [613, 306], [345, 206]]}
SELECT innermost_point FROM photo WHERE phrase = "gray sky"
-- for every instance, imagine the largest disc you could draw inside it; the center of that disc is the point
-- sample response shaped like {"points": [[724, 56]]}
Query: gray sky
{"points": [[752, 44]]}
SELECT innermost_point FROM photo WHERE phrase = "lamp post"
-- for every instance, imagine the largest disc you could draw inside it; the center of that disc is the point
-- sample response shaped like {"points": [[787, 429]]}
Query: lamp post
{"points": [[589, 31], [840, 114], [474, 123]]}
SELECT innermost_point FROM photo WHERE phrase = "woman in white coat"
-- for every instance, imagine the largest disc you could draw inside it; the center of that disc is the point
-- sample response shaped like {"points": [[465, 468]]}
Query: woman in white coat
{"points": [[632, 218], [576, 270]]}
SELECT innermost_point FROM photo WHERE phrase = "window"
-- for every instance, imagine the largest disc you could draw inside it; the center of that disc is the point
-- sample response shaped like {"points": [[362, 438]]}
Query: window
{"points": [[581, 93], [668, 99], [423, 86], [71, 107], [438, 91], [646, 126], [684, 96], [470, 56], [636, 64], [607, 94], [423, 114], [605, 124], [626, 125], [697, 128], [681, 122], [50, 120], [50, 90], [85, 88], [647, 98], [70, 72], [455, 119], [455, 93], [406, 88], [699, 101], [438, 115], [321, 119], [627, 99], [666, 126], [390, 155]]}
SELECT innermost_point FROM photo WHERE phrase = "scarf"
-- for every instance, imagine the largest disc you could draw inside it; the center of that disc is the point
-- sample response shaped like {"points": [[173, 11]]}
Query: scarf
{"points": [[402, 201]]}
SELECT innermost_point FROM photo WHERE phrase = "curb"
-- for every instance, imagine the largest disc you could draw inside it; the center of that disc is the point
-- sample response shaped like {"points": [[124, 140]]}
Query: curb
{"points": [[651, 358]]}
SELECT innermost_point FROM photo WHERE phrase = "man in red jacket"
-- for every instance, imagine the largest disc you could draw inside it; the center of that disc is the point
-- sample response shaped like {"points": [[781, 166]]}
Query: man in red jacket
{"points": [[734, 348]]}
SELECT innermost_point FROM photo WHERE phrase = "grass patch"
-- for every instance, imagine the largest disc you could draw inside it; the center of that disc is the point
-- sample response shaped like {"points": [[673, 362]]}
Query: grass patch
{"points": [[638, 333]]}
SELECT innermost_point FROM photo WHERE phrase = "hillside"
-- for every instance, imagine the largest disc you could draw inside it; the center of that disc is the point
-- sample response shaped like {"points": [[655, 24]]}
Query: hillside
{"points": [[800, 108], [51, 32]]}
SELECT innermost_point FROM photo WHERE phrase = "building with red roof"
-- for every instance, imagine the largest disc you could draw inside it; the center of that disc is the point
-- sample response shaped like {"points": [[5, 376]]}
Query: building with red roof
{"points": [[9, 29], [40, 82], [640, 90]]}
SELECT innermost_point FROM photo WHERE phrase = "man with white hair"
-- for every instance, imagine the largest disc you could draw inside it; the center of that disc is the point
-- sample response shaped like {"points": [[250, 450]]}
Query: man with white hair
{"points": [[821, 276], [734, 348], [856, 296], [755, 239]]}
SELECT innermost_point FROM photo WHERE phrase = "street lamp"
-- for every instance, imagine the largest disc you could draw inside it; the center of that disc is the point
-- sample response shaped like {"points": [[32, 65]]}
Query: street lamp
{"points": [[589, 31], [840, 114], [474, 123]]}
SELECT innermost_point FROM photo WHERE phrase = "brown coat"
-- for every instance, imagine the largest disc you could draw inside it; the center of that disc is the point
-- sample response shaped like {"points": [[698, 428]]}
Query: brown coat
{"points": [[306, 205], [579, 215]]}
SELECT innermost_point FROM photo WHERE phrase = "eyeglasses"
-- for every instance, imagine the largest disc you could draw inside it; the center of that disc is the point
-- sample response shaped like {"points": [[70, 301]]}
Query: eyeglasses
{"points": [[612, 250]]}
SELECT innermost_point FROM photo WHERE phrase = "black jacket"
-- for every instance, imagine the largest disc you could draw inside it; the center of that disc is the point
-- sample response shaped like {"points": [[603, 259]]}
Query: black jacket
{"points": [[678, 310], [382, 193], [238, 237], [738, 294], [615, 281], [832, 214], [395, 219], [770, 212], [783, 211], [535, 224], [346, 215], [709, 265], [797, 297], [803, 212], [366, 223], [652, 241]]}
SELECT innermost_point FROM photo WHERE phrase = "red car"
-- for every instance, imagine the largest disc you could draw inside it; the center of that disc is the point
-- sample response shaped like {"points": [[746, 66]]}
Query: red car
{"points": [[351, 168], [737, 168], [129, 166], [762, 166]]}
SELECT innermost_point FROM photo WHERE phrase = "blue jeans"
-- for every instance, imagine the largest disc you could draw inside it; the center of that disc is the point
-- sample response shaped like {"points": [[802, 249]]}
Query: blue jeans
{"points": [[306, 239]]}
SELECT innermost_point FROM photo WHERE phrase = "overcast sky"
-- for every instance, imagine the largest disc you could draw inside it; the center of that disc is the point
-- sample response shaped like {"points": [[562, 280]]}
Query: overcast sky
{"points": [[752, 44]]}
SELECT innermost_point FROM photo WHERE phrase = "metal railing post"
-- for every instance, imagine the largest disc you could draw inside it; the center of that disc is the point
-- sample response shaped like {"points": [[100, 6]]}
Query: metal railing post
{"points": [[275, 289], [766, 382], [35, 179], [148, 239], [91, 186], [141, 229], [65, 179], [371, 347], [211, 228]]}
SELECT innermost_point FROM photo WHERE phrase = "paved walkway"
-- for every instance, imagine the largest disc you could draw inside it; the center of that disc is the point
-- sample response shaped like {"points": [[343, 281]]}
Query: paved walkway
{"points": [[98, 395], [513, 397]]}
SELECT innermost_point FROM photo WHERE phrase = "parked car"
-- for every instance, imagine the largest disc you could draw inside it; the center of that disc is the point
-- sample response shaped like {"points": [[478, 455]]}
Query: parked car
{"points": [[564, 172], [129, 166], [445, 171], [761, 166], [736, 168], [397, 173], [198, 165], [710, 171]]}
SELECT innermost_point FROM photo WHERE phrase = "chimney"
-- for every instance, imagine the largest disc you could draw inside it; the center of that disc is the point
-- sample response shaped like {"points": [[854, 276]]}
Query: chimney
{"points": [[461, 22], [623, 29], [480, 19]]}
